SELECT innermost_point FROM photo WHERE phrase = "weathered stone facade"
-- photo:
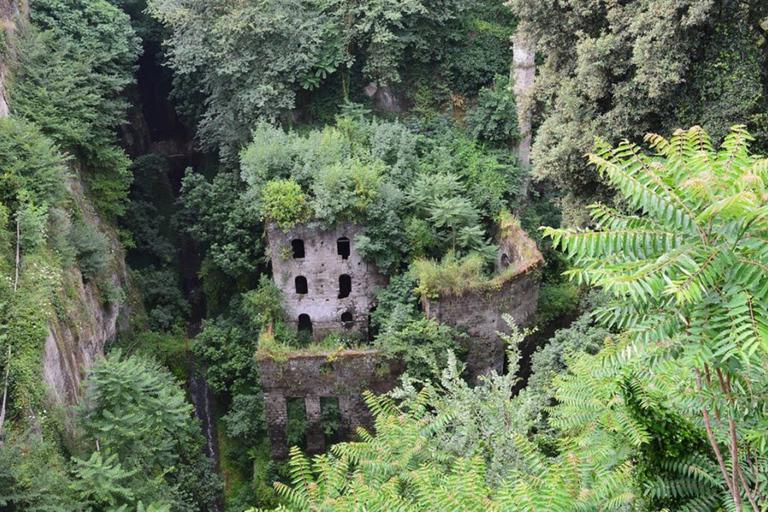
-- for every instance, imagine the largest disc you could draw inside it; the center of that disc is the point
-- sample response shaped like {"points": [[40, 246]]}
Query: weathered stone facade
{"points": [[307, 263], [313, 265], [311, 377], [514, 291]]}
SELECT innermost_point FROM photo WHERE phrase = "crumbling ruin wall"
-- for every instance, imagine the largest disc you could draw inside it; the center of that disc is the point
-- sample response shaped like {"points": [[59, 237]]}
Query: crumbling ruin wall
{"points": [[343, 374], [514, 291], [322, 266]]}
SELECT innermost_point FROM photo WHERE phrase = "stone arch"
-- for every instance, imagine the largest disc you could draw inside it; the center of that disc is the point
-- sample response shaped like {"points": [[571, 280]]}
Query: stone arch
{"points": [[305, 323], [347, 320]]}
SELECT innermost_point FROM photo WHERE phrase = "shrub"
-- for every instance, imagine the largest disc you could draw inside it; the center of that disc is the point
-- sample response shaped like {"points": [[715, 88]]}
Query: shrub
{"points": [[29, 161], [70, 81], [495, 118], [284, 203], [452, 276], [344, 191], [92, 249]]}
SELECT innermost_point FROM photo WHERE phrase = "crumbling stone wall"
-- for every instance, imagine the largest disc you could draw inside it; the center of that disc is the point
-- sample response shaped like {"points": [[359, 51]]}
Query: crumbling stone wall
{"points": [[322, 266], [514, 291], [344, 374]]}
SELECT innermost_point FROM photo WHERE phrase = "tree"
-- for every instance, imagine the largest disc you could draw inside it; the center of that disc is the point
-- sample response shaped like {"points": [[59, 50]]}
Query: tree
{"points": [[619, 70], [688, 265], [450, 446], [136, 416]]}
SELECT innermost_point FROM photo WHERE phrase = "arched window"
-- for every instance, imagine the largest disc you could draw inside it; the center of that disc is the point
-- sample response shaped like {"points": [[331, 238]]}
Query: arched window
{"points": [[305, 324], [348, 320], [298, 248], [342, 247], [345, 286], [301, 285], [504, 261]]}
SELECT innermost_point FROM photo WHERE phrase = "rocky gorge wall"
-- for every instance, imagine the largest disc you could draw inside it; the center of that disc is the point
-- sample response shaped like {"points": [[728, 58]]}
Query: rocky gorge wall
{"points": [[77, 338], [78, 333], [12, 14]]}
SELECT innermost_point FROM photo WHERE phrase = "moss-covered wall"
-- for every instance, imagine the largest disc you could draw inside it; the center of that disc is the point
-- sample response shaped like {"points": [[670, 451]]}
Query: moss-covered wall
{"points": [[514, 291], [343, 374]]}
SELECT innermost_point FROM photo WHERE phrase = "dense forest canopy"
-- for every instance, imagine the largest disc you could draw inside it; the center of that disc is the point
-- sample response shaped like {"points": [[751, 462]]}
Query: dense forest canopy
{"points": [[151, 145]]}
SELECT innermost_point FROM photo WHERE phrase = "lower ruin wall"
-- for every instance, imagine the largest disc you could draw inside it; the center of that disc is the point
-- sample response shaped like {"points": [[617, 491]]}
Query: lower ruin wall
{"points": [[481, 313], [311, 377]]}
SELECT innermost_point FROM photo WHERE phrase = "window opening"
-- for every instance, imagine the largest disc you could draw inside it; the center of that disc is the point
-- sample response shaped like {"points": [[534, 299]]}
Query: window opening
{"points": [[296, 422], [342, 246], [305, 325], [345, 286], [348, 320], [298, 248], [504, 261], [330, 416], [301, 285]]}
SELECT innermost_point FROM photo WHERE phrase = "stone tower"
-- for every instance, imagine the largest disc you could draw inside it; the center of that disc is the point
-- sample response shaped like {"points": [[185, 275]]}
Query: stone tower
{"points": [[328, 286]]}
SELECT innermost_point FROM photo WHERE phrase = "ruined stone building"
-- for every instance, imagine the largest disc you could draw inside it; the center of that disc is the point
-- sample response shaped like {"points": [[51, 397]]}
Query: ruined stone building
{"points": [[327, 285], [329, 288]]}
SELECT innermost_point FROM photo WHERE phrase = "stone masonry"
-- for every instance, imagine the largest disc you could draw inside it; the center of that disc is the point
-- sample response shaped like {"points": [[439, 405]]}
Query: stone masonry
{"points": [[326, 283], [344, 375], [514, 291], [313, 265]]}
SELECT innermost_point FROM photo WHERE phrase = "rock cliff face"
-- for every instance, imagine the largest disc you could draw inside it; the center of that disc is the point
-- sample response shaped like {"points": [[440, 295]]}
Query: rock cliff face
{"points": [[12, 12], [76, 336]]}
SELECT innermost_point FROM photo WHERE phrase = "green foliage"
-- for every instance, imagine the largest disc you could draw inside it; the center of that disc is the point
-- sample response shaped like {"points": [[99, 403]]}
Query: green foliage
{"points": [[483, 51], [620, 71], [100, 29], [284, 203], [688, 270], [99, 483], [247, 58], [345, 190], [227, 350], [136, 411], [30, 162], [556, 300], [422, 344], [92, 249], [149, 443], [451, 276], [255, 61], [33, 475], [24, 321], [264, 306], [453, 446], [495, 118], [69, 82], [397, 303], [163, 299], [216, 214], [416, 195]]}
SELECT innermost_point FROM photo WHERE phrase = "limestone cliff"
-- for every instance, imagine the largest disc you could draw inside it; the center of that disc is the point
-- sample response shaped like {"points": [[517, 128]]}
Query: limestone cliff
{"points": [[12, 12], [78, 337], [78, 333]]}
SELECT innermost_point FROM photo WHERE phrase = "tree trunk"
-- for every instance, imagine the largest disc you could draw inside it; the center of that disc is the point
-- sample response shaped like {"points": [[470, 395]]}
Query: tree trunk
{"points": [[523, 74], [5, 392]]}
